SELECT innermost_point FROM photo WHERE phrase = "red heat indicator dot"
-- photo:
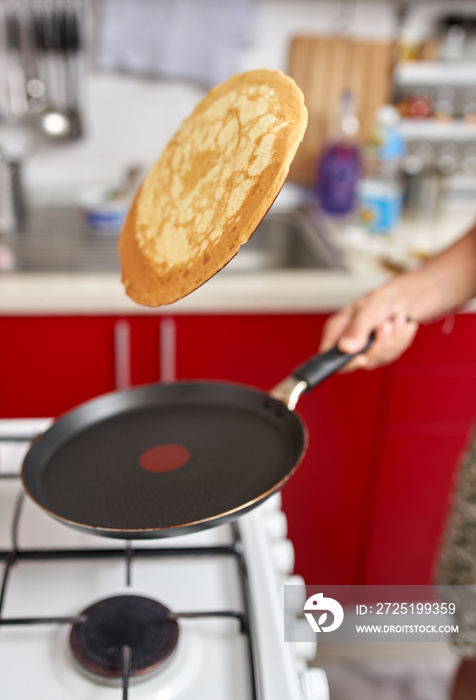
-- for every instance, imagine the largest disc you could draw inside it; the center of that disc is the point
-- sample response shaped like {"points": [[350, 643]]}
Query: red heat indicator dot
{"points": [[164, 458]]}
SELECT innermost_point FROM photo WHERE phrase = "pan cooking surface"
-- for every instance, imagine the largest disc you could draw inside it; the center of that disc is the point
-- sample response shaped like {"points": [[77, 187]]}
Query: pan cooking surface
{"points": [[167, 465]]}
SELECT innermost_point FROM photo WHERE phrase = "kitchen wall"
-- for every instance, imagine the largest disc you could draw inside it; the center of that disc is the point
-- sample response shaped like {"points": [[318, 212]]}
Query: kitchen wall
{"points": [[129, 120]]}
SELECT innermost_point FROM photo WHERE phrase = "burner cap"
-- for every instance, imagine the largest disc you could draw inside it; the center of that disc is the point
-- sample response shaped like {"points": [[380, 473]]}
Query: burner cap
{"points": [[142, 624]]}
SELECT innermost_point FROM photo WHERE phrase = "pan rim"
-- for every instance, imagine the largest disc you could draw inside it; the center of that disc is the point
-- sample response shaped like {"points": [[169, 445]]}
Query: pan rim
{"points": [[128, 533]]}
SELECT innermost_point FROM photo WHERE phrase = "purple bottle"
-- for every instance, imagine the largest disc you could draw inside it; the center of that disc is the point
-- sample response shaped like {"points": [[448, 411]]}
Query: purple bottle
{"points": [[339, 167]]}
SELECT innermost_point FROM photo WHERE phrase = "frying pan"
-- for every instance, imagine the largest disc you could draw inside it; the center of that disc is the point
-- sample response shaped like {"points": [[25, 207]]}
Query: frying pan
{"points": [[171, 459]]}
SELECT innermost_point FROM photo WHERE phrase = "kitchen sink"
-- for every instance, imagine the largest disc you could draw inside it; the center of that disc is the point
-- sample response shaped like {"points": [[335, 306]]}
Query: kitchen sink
{"points": [[287, 240], [58, 240]]}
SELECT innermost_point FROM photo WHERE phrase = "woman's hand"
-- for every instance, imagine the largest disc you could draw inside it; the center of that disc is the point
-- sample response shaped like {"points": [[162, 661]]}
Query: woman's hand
{"points": [[383, 311], [393, 310]]}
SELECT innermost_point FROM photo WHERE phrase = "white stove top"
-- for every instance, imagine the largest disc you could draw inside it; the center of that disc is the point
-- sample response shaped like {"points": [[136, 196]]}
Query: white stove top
{"points": [[53, 576]]}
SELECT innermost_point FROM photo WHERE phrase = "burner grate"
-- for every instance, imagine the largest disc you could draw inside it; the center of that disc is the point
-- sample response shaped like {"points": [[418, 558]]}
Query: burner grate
{"points": [[125, 664]]}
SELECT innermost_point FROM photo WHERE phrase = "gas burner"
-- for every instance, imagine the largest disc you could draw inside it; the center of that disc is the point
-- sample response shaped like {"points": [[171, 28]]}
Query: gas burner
{"points": [[142, 624]]}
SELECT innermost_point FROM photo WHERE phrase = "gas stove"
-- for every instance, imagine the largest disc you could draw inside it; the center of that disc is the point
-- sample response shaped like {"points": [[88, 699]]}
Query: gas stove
{"points": [[197, 616]]}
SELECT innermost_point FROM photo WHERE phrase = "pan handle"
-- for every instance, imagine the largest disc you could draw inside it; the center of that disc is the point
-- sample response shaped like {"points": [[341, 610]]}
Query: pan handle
{"points": [[313, 372]]}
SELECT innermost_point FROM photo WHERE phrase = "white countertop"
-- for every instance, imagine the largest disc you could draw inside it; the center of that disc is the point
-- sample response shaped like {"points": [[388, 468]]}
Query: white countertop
{"points": [[250, 292]]}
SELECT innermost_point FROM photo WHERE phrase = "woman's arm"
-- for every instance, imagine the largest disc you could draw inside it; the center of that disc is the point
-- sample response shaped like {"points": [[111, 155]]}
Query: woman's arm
{"points": [[394, 310]]}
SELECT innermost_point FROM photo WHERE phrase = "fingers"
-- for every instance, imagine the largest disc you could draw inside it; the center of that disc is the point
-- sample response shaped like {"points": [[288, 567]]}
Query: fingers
{"points": [[392, 338], [370, 314], [334, 328], [383, 311], [351, 327], [396, 337]]}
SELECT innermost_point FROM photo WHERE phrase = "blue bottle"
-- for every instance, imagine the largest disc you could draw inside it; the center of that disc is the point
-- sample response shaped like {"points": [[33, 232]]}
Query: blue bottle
{"points": [[380, 193]]}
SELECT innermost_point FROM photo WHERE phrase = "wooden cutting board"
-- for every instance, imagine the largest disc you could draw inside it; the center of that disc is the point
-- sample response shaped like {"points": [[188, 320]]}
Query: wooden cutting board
{"points": [[324, 66]]}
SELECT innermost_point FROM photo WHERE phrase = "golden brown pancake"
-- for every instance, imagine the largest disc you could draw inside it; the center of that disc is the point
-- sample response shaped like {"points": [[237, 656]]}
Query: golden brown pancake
{"points": [[212, 185]]}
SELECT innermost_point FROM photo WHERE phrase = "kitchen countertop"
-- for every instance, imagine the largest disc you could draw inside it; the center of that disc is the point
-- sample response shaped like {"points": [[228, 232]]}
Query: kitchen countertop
{"points": [[287, 291], [251, 292]]}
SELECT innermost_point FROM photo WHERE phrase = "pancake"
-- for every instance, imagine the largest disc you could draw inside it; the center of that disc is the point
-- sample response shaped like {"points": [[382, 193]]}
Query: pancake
{"points": [[212, 185]]}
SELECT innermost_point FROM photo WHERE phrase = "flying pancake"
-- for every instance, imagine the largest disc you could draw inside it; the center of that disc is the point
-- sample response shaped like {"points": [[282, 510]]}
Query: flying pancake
{"points": [[212, 185]]}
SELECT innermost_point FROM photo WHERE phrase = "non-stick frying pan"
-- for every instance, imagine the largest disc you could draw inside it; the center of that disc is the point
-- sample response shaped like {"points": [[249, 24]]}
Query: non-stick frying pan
{"points": [[163, 460]]}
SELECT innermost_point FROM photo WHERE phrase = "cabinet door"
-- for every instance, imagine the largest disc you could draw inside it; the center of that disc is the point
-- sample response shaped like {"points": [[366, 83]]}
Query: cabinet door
{"points": [[49, 364], [259, 350], [429, 412], [325, 499]]}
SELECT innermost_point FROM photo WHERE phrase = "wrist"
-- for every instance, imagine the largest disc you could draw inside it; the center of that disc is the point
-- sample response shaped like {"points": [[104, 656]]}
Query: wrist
{"points": [[424, 294]]}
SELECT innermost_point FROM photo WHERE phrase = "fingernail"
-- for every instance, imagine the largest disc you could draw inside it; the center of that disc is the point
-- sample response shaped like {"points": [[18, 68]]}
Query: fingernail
{"points": [[349, 344]]}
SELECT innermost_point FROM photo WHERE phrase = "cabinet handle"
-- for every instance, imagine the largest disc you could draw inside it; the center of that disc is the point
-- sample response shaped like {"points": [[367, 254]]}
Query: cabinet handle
{"points": [[168, 350], [122, 355]]}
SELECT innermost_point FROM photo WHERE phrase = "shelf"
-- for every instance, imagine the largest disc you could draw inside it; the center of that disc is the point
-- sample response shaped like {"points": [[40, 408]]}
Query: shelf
{"points": [[435, 130], [430, 73]]}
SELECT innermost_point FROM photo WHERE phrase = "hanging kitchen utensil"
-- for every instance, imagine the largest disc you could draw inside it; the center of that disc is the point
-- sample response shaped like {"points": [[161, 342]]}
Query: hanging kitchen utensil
{"points": [[57, 40], [164, 460], [73, 58], [15, 74]]}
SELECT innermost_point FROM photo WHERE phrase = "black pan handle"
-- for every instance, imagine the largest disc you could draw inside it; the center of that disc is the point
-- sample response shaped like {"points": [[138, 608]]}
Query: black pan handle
{"points": [[313, 372], [321, 366]]}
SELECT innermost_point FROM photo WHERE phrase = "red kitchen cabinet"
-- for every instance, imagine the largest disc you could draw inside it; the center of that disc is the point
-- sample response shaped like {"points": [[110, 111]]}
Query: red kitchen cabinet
{"points": [[369, 501], [252, 349], [325, 499], [428, 412], [50, 364]]}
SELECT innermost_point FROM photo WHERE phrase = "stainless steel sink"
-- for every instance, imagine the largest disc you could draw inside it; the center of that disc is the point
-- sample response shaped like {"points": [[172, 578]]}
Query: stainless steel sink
{"points": [[58, 240], [288, 240]]}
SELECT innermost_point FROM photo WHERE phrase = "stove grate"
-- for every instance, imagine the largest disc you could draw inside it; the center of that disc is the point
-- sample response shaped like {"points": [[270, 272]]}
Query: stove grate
{"points": [[126, 666]]}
